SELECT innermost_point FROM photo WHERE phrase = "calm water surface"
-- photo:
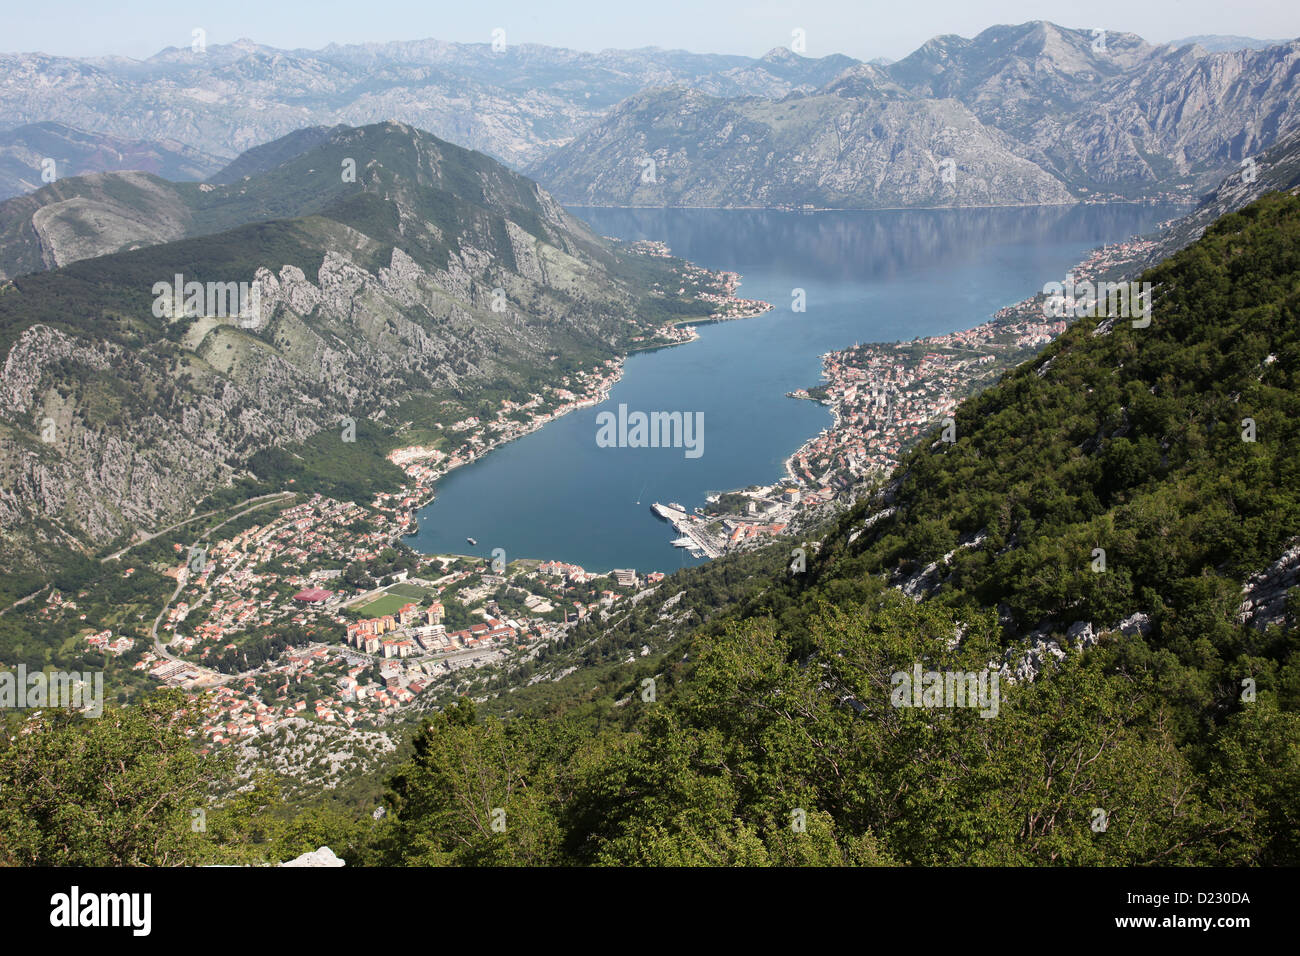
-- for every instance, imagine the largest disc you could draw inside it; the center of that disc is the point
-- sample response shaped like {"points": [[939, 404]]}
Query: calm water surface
{"points": [[867, 276]]}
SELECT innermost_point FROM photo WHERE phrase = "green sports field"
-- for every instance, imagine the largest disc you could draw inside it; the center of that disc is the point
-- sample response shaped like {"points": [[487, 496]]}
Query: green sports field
{"points": [[412, 592], [388, 604]]}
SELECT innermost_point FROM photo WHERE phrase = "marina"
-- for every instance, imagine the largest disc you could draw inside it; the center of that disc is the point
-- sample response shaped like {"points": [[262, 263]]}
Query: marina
{"points": [[694, 538]]}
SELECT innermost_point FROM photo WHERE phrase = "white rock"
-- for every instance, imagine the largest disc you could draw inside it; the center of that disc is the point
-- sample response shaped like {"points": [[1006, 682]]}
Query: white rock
{"points": [[321, 857]]}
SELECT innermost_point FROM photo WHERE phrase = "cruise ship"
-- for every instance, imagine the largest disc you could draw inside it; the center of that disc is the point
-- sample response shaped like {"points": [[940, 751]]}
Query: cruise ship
{"points": [[669, 512]]}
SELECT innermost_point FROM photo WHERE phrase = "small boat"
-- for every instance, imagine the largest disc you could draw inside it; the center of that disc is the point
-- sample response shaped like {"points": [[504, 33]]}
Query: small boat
{"points": [[471, 541]]}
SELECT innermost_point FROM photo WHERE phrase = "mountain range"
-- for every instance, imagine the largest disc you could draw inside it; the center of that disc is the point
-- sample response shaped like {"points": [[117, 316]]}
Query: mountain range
{"points": [[1028, 113], [515, 104]]}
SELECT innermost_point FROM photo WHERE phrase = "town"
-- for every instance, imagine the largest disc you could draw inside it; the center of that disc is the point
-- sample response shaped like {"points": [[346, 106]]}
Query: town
{"points": [[317, 610], [334, 642]]}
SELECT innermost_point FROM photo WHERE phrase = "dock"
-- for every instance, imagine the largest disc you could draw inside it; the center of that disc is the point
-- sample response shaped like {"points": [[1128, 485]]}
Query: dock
{"points": [[691, 530]]}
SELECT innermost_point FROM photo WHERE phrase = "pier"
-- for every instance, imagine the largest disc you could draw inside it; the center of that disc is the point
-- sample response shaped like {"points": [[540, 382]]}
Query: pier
{"points": [[692, 533]]}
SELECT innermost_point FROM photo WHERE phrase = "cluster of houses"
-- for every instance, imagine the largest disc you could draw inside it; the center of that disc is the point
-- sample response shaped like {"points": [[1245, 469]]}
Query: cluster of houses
{"points": [[104, 641], [573, 573]]}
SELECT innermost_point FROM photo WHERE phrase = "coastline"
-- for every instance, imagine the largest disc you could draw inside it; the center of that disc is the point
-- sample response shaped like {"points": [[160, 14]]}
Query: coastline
{"points": [[422, 491], [578, 204], [862, 438], [1013, 334]]}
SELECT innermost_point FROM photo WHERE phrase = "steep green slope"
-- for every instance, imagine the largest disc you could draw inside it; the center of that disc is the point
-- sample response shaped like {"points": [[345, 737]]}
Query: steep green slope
{"points": [[264, 158], [777, 738], [1121, 438]]}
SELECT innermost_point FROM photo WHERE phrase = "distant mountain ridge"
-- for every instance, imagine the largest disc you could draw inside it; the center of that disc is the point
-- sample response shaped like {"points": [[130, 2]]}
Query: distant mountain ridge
{"points": [[1217, 43], [34, 155], [515, 104], [875, 146], [1093, 112]]}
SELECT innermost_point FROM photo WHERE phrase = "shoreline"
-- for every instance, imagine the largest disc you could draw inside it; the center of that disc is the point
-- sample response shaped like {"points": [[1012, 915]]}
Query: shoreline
{"points": [[1023, 205], [1018, 319], [400, 456], [1024, 322]]}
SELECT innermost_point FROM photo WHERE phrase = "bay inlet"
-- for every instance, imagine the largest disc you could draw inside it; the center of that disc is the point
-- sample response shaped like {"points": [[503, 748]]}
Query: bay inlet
{"points": [[868, 276]]}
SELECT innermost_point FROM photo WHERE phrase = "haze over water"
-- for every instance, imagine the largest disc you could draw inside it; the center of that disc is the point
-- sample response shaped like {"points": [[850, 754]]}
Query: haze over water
{"points": [[872, 276]]}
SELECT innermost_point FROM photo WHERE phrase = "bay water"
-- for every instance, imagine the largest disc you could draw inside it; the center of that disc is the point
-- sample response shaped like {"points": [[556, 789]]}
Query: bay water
{"points": [[869, 276]]}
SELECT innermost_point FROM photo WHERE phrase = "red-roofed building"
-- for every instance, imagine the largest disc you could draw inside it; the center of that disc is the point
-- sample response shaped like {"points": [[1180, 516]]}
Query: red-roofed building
{"points": [[313, 596]]}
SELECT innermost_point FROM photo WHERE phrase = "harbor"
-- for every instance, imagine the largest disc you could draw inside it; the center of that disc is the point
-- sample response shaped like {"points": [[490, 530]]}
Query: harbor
{"points": [[694, 537]]}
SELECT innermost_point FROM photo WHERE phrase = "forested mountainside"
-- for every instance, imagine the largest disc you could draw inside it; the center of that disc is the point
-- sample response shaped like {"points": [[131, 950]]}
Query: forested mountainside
{"points": [[1112, 530]]}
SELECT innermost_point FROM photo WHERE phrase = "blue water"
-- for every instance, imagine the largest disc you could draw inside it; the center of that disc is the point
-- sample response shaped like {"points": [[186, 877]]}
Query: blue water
{"points": [[867, 276]]}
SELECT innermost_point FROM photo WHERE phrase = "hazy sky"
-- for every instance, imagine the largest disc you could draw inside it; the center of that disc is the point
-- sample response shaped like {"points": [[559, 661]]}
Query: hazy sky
{"points": [[859, 28]]}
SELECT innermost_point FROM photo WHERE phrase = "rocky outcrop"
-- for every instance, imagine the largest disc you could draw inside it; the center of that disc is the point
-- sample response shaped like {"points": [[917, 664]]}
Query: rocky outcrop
{"points": [[1024, 661], [1266, 594], [321, 857]]}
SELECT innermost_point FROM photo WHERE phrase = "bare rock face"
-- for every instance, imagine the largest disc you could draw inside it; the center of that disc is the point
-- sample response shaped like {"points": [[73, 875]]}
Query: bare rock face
{"points": [[1101, 109], [882, 148], [1033, 113], [321, 857], [1265, 598]]}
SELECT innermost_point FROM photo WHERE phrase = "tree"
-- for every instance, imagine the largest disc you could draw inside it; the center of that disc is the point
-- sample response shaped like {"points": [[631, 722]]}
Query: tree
{"points": [[118, 790]]}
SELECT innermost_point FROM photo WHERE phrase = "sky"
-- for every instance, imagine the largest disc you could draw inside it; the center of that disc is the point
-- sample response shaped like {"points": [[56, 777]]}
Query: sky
{"points": [[859, 28]]}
